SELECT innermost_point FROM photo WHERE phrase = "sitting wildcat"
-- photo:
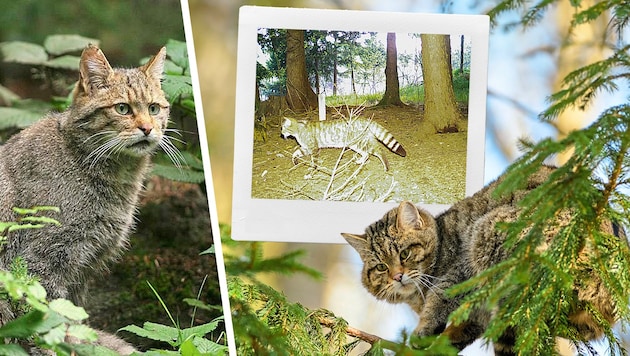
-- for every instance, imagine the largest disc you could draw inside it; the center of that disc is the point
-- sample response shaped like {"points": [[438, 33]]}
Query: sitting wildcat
{"points": [[90, 162], [411, 257]]}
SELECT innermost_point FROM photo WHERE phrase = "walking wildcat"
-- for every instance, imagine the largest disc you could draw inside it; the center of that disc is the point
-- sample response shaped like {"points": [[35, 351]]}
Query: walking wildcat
{"points": [[411, 257], [358, 134], [90, 162]]}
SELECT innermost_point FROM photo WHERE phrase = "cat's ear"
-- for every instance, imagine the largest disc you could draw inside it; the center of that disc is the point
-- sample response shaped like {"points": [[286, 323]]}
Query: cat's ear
{"points": [[94, 69], [408, 217], [155, 66], [358, 242]]}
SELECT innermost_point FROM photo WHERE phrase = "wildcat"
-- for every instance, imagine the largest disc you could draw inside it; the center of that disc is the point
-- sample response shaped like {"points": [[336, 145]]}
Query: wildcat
{"points": [[358, 134], [412, 257], [90, 162]]}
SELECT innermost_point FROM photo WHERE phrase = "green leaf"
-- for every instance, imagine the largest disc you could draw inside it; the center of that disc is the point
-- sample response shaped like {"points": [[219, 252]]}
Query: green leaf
{"points": [[209, 347], [178, 53], [159, 353], [154, 331], [23, 53], [12, 350], [5, 225], [200, 330], [37, 291], [199, 304], [208, 251], [82, 332], [55, 336], [188, 349], [62, 44], [19, 118], [23, 326], [93, 350], [178, 174], [64, 62], [7, 96], [35, 210], [176, 86], [41, 220], [51, 321], [67, 309], [25, 227], [35, 106]]}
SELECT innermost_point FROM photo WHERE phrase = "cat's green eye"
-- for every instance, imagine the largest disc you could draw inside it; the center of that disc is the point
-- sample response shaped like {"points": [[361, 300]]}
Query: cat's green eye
{"points": [[381, 267], [122, 108], [404, 254], [154, 109]]}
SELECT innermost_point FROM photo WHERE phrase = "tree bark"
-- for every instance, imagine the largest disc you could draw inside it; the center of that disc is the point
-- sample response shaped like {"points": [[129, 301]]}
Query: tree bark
{"points": [[581, 45], [300, 95], [392, 87], [440, 108]]}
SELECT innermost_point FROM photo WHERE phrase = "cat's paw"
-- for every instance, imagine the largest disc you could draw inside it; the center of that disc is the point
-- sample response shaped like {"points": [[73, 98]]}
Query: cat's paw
{"points": [[296, 156]]}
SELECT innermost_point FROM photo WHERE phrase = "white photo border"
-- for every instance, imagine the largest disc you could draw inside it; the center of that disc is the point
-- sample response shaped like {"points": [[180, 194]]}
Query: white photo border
{"points": [[321, 221]]}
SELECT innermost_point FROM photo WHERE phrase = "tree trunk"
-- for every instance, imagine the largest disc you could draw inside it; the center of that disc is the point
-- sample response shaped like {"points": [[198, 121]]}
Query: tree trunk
{"points": [[440, 108], [392, 88], [581, 45], [300, 95], [461, 54]]}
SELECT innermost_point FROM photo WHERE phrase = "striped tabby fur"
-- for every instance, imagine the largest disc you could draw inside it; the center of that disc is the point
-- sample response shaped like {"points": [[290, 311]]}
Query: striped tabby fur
{"points": [[90, 161], [412, 257], [358, 134]]}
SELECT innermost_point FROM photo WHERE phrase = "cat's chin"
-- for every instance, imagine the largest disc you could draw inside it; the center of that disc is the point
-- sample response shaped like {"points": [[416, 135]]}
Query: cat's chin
{"points": [[142, 148], [405, 291]]}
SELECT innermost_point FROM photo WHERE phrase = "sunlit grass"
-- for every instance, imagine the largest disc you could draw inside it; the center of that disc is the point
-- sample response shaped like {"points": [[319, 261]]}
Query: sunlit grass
{"points": [[409, 94]]}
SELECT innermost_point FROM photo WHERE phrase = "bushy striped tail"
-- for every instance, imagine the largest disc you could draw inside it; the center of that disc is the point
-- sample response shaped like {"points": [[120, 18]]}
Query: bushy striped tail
{"points": [[389, 141]]}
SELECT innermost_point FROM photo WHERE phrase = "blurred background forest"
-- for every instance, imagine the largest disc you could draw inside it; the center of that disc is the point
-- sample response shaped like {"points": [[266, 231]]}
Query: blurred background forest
{"points": [[525, 67]]}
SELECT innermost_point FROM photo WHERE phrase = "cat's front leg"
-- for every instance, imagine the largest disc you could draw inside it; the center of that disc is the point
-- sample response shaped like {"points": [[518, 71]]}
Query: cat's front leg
{"points": [[434, 314], [297, 155], [434, 321]]}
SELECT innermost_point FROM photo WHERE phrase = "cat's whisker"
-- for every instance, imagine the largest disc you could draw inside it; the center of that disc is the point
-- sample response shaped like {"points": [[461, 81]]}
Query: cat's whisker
{"points": [[102, 134], [172, 152], [104, 151], [177, 131], [419, 288], [175, 139], [427, 283]]}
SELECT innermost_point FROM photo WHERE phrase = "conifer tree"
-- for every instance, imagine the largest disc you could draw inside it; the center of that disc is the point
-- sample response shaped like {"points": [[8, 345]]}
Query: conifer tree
{"points": [[536, 287]]}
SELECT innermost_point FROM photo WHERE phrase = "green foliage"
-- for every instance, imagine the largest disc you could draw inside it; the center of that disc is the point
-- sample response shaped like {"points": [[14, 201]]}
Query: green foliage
{"points": [[186, 341], [184, 166], [353, 99], [57, 53], [40, 322], [593, 186], [265, 322], [27, 218], [532, 291], [412, 93], [189, 171]]}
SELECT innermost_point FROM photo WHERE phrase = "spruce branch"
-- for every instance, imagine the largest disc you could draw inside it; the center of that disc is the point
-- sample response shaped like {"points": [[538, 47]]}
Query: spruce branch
{"points": [[329, 322], [533, 290]]}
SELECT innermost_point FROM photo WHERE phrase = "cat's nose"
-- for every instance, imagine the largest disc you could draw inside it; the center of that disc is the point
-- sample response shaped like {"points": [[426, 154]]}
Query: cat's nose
{"points": [[398, 277], [145, 128]]}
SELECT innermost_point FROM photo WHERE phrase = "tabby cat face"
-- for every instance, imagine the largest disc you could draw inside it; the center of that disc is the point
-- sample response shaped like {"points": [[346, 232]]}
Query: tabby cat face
{"points": [[289, 127], [398, 252], [119, 111]]}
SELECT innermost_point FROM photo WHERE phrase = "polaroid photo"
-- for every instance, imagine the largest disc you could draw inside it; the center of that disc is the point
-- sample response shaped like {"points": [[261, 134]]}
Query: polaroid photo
{"points": [[341, 114]]}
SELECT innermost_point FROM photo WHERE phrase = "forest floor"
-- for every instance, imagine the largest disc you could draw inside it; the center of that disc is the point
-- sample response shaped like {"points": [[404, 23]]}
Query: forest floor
{"points": [[173, 228], [433, 171]]}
